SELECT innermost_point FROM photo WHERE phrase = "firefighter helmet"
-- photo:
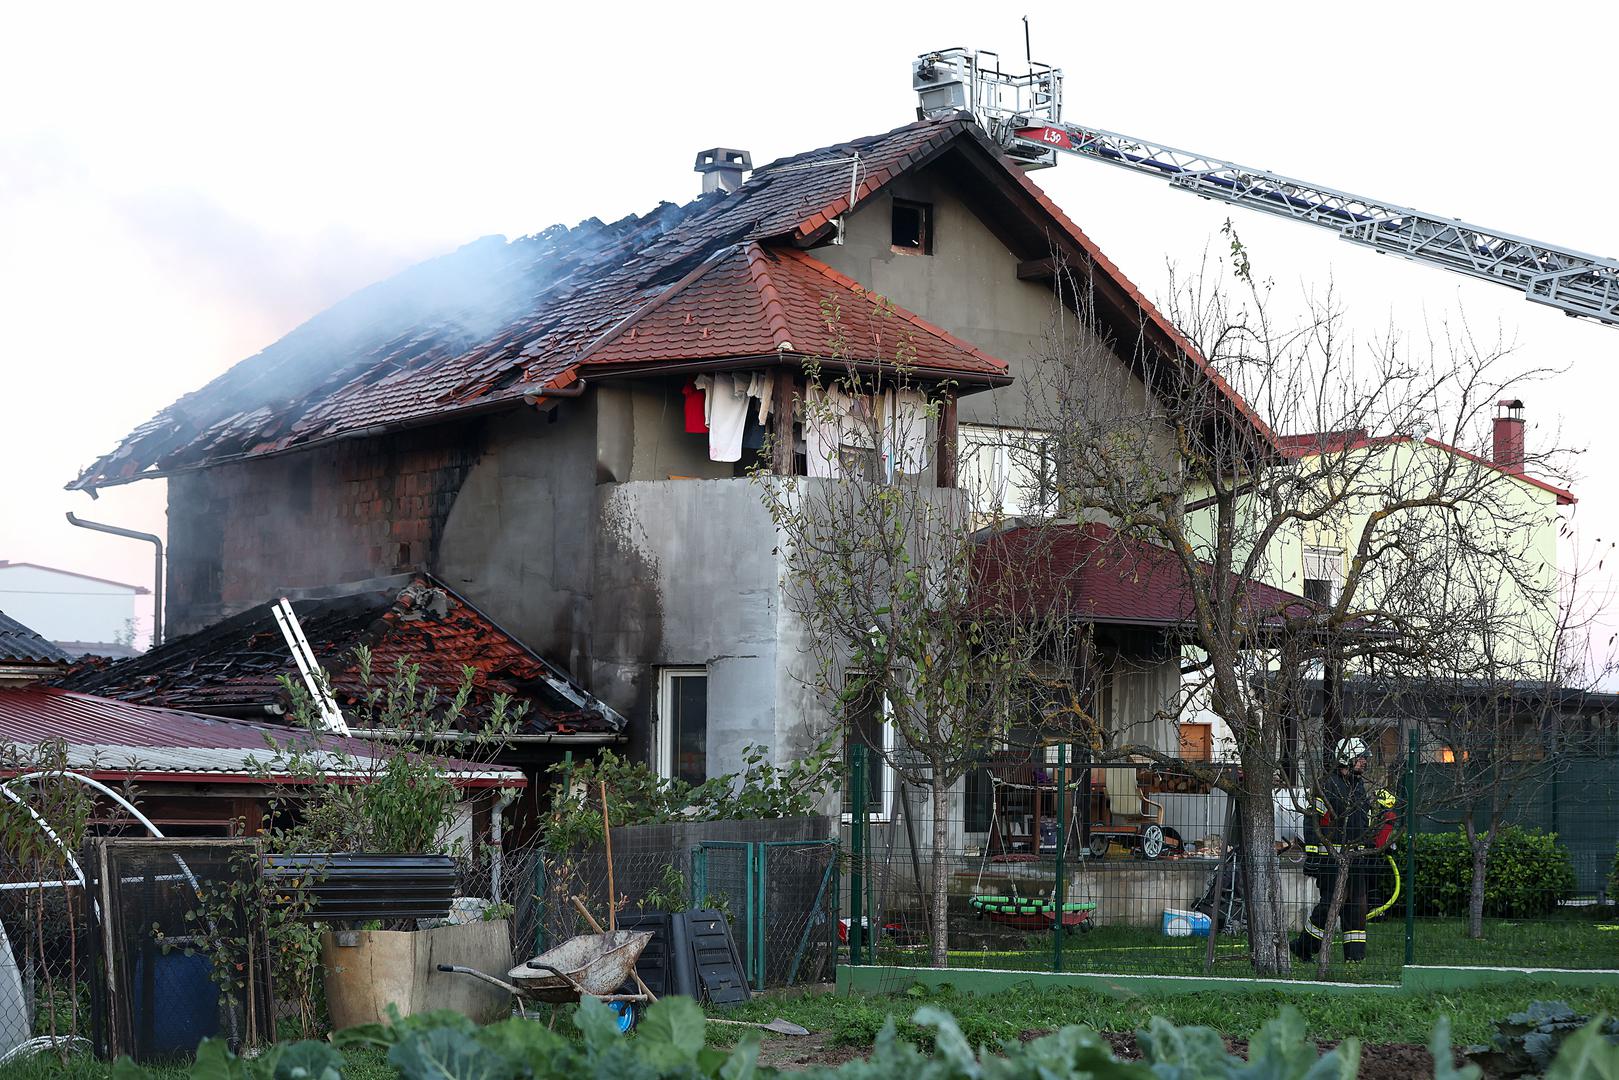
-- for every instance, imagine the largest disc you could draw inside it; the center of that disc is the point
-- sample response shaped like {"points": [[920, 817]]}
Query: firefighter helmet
{"points": [[1385, 799], [1350, 749]]}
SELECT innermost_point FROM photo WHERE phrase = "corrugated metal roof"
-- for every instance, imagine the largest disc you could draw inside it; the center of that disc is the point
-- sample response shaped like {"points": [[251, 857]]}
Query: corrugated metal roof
{"points": [[18, 644], [104, 736]]}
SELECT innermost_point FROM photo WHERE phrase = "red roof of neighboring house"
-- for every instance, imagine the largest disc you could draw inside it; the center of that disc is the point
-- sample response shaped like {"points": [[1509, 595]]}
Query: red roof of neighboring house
{"points": [[778, 302], [1310, 444], [115, 740], [137, 590], [1094, 574], [498, 322]]}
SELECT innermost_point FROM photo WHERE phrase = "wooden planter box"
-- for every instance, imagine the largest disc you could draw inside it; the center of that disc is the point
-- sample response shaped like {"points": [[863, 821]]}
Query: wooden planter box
{"points": [[367, 970]]}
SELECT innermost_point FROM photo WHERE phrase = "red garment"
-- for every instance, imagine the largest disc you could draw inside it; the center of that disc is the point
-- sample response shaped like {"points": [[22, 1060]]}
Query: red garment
{"points": [[696, 423]]}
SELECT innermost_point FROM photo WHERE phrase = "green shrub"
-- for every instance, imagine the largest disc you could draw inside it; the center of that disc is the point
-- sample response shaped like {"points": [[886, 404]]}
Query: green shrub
{"points": [[1528, 873]]}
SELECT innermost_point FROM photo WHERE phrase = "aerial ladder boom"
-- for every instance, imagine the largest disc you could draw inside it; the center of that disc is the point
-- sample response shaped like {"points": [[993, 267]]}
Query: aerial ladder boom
{"points": [[1023, 113]]}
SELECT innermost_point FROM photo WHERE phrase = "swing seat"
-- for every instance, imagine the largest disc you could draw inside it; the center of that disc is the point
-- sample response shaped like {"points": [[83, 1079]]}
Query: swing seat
{"points": [[1031, 913]]}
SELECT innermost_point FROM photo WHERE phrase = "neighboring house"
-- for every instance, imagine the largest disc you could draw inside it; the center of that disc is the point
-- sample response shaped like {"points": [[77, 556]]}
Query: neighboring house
{"points": [[525, 420], [25, 656], [1515, 513], [96, 616], [194, 775]]}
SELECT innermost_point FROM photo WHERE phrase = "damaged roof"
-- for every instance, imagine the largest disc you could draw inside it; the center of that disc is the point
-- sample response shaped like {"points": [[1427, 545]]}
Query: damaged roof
{"points": [[495, 322], [115, 741], [20, 645], [236, 664]]}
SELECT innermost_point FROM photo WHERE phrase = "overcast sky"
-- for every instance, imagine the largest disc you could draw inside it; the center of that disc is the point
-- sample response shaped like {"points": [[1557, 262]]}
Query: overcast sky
{"points": [[180, 185]]}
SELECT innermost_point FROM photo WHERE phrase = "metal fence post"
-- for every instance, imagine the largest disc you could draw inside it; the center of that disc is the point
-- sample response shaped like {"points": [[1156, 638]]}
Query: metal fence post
{"points": [[1059, 894], [857, 847], [1411, 849]]}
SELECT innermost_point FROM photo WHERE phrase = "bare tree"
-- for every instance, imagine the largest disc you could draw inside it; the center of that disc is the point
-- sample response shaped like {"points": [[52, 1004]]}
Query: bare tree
{"points": [[1242, 445], [884, 570]]}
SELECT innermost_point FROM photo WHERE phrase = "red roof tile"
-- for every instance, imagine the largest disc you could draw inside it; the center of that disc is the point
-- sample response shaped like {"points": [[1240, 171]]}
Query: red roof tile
{"points": [[758, 301], [238, 662]]}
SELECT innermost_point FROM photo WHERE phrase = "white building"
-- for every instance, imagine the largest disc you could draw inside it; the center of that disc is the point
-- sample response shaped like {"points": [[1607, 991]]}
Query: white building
{"points": [[79, 612]]}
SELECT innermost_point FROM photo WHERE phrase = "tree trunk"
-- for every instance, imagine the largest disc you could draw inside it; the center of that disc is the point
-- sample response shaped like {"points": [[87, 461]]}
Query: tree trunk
{"points": [[1479, 843], [1340, 881], [1267, 928], [940, 950]]}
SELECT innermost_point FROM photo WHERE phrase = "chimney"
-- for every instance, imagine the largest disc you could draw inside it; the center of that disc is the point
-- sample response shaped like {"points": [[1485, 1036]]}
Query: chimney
{"points": [[1508, 452], [722, 168]]}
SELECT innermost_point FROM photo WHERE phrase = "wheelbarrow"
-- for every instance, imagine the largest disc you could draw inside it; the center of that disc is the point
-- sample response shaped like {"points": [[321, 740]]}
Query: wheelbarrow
{"points": [[590, 965]]}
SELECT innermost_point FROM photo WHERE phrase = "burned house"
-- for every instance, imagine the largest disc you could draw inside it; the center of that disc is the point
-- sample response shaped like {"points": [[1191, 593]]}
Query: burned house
{"points": [[533, 422]]}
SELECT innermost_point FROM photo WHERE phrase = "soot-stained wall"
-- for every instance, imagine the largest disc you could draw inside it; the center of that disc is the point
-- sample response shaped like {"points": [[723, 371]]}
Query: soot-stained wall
{"points": [[358, 509]]}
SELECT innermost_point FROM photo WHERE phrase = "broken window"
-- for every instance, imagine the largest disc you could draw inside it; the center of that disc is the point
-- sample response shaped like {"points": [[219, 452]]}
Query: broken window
{"points": [[912, 227], [683, 724]]}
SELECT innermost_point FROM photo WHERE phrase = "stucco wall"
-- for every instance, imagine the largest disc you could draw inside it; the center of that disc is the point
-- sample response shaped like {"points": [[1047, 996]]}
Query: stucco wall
{"points": [[688, 575], [518, 542], [969, 286]]}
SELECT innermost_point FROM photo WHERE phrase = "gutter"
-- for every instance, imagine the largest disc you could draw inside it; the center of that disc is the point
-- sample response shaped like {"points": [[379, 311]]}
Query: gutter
{"points": [[554, 738], [965, 382]]}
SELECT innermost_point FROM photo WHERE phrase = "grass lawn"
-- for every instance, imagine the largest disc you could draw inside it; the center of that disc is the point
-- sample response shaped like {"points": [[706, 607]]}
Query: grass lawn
{"points": [[1572, 942], [989, 1018]]}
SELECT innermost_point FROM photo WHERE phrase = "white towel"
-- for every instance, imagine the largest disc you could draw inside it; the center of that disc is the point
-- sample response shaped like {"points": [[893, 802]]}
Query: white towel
{"points": [[727, 416], [905, 432], [823, 425]]}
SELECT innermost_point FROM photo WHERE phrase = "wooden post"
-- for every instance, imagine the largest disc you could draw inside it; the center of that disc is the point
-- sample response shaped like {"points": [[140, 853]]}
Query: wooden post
{"points": [[781, 413], [945, 459]]}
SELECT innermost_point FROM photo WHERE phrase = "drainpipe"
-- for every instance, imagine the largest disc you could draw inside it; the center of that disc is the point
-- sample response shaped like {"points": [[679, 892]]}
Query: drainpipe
{"points": [[497, 835], [157, 570]]}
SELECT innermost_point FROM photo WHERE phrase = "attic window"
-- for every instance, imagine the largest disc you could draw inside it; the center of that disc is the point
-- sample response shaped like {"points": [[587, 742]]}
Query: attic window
{"points": [[913, 227]]}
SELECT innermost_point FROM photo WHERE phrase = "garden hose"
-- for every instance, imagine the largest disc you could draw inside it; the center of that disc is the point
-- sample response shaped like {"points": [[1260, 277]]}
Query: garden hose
{"points": [[1393, 895]]}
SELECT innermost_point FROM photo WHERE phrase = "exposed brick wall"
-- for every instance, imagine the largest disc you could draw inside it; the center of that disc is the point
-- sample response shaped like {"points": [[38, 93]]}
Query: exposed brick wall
{"points": [[357, 509]]}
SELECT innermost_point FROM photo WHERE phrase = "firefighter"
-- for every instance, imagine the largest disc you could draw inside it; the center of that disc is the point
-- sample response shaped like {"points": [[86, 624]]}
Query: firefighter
{"points": [[1340, 821]]}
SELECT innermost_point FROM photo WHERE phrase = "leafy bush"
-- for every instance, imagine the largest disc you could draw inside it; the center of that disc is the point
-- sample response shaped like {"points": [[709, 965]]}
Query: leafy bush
{"points": [[1527, 874], [671, 1042], [1526, 1043]]}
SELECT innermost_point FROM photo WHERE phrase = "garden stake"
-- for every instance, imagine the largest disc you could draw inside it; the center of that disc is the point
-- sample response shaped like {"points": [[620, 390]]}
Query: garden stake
{"points": [[607, 839]]}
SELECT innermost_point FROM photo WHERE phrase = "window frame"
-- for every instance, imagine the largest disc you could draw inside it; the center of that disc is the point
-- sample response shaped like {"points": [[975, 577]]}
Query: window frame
{"points": [[665, 716], [925, 213], [889, 786]]}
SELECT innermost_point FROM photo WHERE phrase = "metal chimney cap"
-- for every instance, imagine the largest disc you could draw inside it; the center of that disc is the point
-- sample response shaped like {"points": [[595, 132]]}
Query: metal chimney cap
{"points": [[721, 157]]}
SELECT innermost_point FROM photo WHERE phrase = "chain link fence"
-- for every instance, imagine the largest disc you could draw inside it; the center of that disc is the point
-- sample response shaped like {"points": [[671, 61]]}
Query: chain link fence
{"points": [[1133, 867]]}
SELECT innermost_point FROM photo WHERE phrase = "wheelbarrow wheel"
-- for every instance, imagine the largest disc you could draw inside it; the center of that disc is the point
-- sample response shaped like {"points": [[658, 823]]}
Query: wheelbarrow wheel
{"points": [[627, 1012]]}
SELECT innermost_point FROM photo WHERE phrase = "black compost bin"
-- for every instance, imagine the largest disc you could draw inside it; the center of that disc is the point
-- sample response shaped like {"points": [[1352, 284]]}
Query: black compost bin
{"points": [[360, 887]]}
